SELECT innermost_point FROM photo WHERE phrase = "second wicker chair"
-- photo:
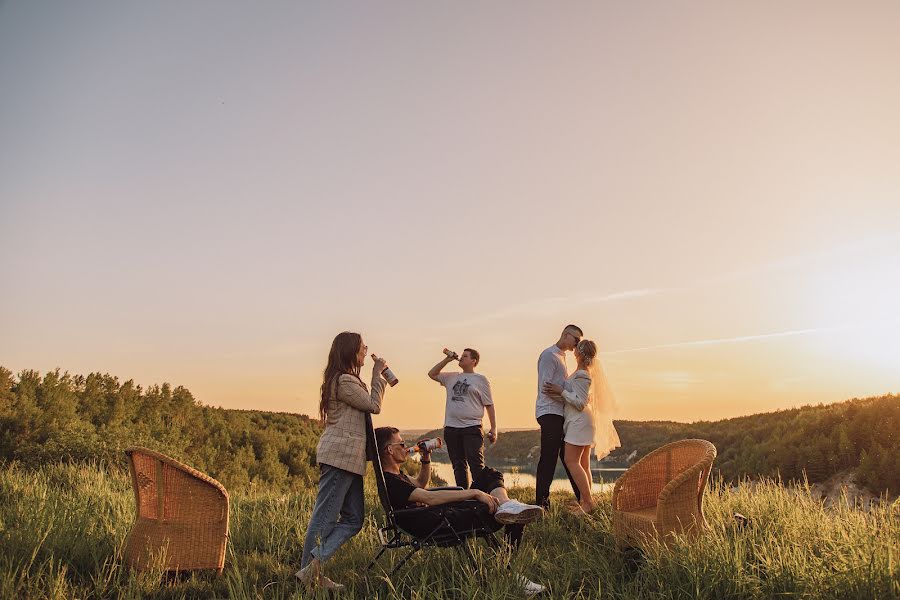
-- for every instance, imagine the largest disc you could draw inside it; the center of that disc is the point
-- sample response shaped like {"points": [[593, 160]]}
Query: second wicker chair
{"points": [[182, 515], [662, 493]]}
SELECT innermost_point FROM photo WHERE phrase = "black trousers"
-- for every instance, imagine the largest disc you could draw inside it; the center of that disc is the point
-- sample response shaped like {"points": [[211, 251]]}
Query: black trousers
{"points": [[552, 448], [465, 445], [465, 520]]}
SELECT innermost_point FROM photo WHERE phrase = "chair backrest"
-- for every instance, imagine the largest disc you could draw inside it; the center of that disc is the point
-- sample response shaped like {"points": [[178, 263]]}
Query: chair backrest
{"points": [[672, 459], [688, 453], [167, 490], [373, 455], [641, 485]]}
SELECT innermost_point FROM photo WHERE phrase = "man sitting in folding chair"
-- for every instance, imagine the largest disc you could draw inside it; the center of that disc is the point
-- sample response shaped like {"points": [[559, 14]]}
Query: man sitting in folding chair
{"points": [[497, 509]]}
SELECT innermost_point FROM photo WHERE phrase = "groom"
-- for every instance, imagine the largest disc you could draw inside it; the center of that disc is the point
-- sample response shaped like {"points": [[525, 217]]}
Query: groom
{"points": [[549, 411]]}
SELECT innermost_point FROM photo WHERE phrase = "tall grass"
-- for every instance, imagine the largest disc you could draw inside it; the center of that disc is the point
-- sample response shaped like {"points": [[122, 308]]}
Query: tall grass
{"points": [[62, 529]]}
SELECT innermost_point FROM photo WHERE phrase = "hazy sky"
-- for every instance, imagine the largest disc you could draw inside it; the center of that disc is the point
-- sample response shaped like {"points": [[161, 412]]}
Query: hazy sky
{"points": [[205, 193]]}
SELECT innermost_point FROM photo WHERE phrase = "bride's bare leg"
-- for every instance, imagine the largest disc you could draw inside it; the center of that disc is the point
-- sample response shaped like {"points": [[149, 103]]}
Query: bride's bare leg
{"points": [[582, 479], [587, 502]]}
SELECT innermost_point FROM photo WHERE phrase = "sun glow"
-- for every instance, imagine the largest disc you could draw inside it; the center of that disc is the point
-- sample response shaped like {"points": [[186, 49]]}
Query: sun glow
{"points": [[859, 301]]}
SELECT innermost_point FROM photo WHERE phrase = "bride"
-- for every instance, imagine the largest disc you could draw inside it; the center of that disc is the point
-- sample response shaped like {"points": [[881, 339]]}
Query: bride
{"points": [[588, 418]]}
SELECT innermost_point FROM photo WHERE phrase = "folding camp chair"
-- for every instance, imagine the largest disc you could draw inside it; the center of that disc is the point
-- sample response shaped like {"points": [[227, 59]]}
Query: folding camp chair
{"points": [[430, 526]]}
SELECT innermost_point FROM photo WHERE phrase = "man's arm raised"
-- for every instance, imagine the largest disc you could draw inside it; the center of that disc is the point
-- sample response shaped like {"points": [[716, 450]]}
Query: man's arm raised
{"points": [[436, 369], [424, 475]]}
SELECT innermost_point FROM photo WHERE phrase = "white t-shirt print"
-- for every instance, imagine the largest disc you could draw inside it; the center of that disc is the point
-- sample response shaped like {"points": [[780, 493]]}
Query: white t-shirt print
{"points": [[467, 395]]}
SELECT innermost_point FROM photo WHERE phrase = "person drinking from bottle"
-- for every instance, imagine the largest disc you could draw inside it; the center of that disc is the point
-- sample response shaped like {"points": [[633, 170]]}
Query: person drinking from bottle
{"points": [[468, 396], [496, 506], [339, 510]]}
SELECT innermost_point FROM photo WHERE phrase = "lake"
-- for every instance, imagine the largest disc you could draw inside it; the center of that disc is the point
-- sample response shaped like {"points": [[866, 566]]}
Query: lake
{"points": [[515, 476]]}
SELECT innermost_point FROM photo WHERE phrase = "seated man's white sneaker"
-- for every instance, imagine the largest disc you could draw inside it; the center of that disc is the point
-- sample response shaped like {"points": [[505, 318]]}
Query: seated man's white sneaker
{"points": [[529, 587], [514, 512]]}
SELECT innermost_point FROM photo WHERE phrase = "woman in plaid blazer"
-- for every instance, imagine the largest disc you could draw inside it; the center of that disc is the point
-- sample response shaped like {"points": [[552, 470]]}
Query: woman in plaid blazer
{"points": [[341, 455]]}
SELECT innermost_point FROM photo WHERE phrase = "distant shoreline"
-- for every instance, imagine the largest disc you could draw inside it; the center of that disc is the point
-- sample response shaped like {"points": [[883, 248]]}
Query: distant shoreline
{"points": [[420, 431]]}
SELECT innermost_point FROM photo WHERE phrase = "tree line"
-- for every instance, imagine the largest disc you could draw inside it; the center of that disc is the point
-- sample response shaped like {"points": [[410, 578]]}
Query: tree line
{"points": [[62, 417], [73, 418], [815, 442]]}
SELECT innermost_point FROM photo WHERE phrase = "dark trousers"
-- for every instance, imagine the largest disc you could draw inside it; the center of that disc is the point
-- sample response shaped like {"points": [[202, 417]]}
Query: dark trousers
{"points": [[487, 481], [421, 524], [465, 445], [552, 447]]}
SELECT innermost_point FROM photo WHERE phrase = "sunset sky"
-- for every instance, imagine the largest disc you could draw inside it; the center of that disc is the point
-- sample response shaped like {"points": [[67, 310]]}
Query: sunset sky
{"points": [[205, 193]]}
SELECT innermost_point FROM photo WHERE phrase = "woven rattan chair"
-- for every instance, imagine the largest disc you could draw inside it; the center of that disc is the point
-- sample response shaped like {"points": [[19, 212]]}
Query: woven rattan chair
{"points": [[662, 493], [182, 515]]}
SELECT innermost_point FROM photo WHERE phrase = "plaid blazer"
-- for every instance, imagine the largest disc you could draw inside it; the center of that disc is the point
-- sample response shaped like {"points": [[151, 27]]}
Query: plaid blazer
{"points": [[343, 443]]}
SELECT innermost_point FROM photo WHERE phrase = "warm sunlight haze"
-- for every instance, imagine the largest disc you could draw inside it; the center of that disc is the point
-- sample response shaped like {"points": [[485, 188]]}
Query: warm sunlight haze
{"points": [[206, 198]]}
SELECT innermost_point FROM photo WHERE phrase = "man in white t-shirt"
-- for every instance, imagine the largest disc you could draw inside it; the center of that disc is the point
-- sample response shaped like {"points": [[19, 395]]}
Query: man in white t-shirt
{"points": [[468, 395]]}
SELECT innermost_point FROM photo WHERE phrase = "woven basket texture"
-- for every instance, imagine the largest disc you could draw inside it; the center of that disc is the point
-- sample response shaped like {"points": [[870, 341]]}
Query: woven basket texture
{"points": [[182, 515], [662, 494]]}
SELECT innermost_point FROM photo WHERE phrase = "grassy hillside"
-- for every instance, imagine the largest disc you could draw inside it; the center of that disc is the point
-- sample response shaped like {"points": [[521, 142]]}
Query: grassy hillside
{"points": [[62, 529], [66, 505]]}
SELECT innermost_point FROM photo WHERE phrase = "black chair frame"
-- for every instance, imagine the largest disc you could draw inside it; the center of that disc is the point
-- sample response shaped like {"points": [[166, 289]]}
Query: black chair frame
{"points": [[393, 535]]}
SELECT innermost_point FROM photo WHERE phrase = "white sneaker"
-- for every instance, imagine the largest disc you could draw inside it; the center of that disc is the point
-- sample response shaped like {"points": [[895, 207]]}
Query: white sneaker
{"points": [[529, 587], [515, 512]]}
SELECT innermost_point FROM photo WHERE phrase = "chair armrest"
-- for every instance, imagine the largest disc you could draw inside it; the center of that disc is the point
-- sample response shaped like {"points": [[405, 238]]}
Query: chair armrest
{"points": [[437, 508], [418, 510], [452, 488], [679, 499]]}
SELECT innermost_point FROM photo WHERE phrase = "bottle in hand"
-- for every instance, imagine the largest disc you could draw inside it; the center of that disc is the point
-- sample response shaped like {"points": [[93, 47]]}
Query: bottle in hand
{"points": [[426, 445], [388, 374], [451, 354]]}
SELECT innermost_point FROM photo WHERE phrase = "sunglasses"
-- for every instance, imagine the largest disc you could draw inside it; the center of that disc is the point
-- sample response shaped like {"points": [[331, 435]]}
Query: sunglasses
{"points": [[401, 443]]}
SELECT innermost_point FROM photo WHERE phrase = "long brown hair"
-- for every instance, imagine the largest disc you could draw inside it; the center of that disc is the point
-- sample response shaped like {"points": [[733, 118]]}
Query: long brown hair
{"points": [[341, 359]]}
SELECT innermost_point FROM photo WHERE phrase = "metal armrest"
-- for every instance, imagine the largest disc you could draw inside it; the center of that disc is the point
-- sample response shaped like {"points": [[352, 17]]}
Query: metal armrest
{"points": [[437, 508], [453, 488]]}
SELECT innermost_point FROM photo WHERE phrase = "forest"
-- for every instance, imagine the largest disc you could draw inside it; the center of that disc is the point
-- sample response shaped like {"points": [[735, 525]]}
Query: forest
{"points": [[812, 441], [60, 417]]}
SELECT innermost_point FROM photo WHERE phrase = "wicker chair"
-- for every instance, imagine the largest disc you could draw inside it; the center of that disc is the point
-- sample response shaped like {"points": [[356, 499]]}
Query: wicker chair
{"points": [[662, 493], [182, 515]]}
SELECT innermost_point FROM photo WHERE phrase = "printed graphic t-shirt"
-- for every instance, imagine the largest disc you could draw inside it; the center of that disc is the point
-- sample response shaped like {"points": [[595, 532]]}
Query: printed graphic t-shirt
{"points": [[467, 395]]}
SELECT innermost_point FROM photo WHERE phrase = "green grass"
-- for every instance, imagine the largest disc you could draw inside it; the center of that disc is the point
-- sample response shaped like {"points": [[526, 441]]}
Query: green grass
{"points": [[62, 529]]}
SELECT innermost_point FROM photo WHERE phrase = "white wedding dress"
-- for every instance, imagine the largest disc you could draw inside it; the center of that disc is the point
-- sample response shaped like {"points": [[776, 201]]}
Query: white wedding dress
{"points": [[588, 414], [578, 423]]}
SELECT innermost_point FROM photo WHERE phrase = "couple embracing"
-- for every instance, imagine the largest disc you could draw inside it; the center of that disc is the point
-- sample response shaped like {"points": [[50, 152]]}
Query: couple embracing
{"points": [[574, 413]]}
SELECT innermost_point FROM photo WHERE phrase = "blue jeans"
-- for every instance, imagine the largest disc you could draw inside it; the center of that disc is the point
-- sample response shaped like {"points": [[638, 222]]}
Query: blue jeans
{"points": [[340, 494]]}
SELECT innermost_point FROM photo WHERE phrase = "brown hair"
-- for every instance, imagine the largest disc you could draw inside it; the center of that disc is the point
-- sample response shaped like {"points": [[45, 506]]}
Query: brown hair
{"points": [[474, 354], [383, 437], [341, 359]]}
